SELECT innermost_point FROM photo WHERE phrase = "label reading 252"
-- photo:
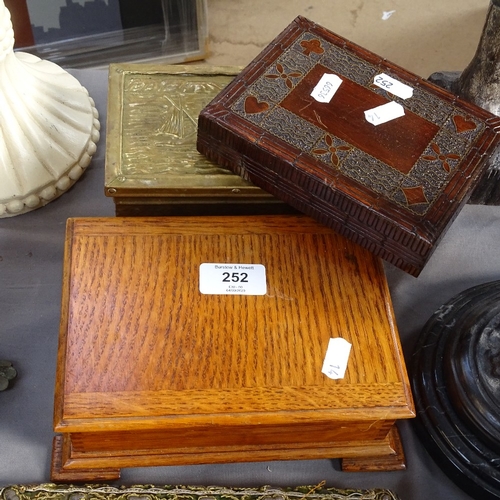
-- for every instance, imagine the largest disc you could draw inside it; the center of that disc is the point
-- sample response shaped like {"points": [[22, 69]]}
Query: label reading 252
{"points": [[232, 279], [383, 82], [393, 86]]}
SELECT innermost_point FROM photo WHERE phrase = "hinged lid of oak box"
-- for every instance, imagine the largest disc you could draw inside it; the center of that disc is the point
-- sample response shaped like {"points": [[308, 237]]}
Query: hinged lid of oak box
{"points": [[152, 165], [143, 346], [364, 146]]}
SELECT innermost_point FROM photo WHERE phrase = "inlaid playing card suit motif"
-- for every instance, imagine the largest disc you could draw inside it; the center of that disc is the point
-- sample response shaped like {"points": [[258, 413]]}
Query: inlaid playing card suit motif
{"points": [[395, 187]]}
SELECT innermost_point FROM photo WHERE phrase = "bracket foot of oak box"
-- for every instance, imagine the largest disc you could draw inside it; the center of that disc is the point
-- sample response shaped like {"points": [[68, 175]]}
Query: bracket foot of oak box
{"points": [[60, 457], [69, 465], [395, 460]]}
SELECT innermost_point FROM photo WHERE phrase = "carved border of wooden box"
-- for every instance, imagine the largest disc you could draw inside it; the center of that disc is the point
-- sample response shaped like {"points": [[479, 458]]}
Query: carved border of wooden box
{"points": [[393, 188]]}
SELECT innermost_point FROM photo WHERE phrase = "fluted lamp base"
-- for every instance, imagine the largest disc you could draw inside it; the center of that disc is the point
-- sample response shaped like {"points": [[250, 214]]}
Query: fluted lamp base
{"points": [[49, 127]]}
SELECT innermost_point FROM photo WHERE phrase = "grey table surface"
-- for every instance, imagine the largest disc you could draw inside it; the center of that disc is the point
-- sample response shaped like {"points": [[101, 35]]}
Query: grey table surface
{"points": [[31, 258]]}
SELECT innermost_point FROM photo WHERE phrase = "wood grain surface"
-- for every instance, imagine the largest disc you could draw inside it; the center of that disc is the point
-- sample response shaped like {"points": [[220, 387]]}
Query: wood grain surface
{"points": [[144, 357]]}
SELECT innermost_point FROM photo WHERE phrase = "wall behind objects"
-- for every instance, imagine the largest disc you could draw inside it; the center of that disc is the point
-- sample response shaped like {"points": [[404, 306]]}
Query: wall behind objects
{"points": [[423, 36]]}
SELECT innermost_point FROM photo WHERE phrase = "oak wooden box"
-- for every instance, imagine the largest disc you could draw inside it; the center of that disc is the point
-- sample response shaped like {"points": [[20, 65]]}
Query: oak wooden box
{"points": [[152, 372], [152, 166], [393, 187]]}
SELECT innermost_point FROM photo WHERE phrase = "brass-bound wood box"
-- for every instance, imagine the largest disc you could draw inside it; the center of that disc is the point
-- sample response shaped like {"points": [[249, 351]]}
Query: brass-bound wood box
{"points": [[190, 340], [369, 149], [152, 165]]}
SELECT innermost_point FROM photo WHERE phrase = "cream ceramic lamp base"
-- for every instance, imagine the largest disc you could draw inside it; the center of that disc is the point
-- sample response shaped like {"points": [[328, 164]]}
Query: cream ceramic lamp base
{"points": [[49, 127]]}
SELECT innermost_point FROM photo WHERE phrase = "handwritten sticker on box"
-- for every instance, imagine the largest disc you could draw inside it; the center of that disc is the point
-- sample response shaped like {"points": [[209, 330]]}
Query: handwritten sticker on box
{"points": [[385, 113], [395, 87], [336, 358], [326, 88], [232, 279]]}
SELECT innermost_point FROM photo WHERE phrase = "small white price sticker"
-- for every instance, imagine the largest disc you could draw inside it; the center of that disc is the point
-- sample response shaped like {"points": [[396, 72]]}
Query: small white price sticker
{"points": [[336, 358], [385, 113], [233, 279], [395, 87], [326, 88]]}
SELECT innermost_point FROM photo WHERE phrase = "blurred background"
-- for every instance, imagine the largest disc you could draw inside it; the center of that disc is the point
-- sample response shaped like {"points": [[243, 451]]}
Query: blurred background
{"points": [[423, 36]]}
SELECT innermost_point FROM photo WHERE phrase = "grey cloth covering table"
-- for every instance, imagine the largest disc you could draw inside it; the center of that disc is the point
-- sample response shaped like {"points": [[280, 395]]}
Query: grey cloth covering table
{"points": [[31, 257]]}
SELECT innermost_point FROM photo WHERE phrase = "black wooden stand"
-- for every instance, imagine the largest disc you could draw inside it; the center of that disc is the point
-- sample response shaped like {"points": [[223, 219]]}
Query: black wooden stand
{"points": [[456, 386]]}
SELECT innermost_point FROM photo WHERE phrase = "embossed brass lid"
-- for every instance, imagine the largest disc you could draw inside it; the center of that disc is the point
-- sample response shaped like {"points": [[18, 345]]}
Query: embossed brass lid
{"points": [[151, 134]]}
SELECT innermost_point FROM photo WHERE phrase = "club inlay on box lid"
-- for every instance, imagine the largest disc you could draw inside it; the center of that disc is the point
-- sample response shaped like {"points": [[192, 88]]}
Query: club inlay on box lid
{"points": [[362, 145]]}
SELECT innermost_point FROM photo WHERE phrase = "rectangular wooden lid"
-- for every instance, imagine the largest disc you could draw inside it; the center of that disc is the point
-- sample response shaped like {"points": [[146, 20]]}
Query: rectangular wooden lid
{"points": [[141, 345], [393, 187]]}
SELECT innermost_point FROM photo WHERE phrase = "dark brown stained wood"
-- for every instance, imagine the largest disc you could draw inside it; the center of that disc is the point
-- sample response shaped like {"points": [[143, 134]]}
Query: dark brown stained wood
{"points": [[152, 372], [396, 144], [393, 188], [21, 23]]}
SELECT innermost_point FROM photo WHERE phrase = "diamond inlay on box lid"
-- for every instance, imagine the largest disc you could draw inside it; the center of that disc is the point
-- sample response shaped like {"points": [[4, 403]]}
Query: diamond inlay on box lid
{"points": [[373, 151]]}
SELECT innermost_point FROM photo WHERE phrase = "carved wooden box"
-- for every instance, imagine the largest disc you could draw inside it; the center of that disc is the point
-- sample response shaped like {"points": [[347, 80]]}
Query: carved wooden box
{"points": [[156, 369], [152, 165], [365, 147]]}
